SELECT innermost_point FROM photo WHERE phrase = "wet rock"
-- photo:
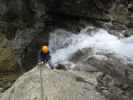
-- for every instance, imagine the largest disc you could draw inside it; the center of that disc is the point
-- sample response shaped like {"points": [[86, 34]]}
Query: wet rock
{"points": [[113, 89], [84, 67], [130, 24], [82, 54], [61, 67], [117, 78], [129, 32], [113, 66]]}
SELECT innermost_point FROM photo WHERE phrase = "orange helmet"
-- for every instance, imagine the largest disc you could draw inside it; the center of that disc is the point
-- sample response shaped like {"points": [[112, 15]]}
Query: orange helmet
{"points": [[45, 49]]}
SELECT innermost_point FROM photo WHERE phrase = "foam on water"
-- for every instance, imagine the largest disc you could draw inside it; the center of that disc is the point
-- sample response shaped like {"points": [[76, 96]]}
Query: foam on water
{"points": [[101, 40]]}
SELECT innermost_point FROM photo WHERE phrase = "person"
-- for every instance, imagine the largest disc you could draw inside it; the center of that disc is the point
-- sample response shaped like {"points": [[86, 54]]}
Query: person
{"points": [[44, 56]]}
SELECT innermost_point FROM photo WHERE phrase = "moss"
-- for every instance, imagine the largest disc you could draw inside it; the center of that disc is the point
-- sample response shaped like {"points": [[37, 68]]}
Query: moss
{"points": [[9, 76], [6, 80], [7, 58]]}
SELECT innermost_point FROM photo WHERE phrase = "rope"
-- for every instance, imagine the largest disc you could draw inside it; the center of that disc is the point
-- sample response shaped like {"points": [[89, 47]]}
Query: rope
{"points": [[41, 84]]}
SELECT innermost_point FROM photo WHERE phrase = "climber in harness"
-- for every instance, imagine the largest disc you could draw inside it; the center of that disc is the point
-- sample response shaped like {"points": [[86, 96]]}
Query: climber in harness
{"points": [[44, 56]]}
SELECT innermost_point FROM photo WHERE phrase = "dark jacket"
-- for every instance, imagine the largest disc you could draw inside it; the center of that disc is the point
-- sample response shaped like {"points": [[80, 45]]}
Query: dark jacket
{"points": [[44, 57]]}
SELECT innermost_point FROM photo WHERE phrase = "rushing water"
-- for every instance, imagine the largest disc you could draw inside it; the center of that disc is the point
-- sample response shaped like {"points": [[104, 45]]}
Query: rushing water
{"points": [[63, 44]]}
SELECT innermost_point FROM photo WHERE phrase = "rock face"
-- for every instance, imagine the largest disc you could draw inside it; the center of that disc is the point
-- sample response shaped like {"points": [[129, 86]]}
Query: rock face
{"points": [[28, 17], [9, 69], [42, 15], [113, 66], [20, 14], [118, 12], [67, 85], [116, 82], [112, 89], [57, 84], [7, 58], [107, 63], [21, 21]]}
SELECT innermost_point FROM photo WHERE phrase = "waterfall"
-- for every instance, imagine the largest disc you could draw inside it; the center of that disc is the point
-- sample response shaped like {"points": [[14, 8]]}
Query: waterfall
{"points": [[63, 44]]}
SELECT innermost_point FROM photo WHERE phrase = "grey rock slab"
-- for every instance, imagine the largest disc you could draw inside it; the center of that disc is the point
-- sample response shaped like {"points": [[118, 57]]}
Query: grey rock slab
{"points": [[57, 85]]}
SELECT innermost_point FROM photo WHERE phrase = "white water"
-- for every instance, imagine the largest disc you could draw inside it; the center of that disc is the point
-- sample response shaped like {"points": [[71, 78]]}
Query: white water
{"points": [[64, 44]]}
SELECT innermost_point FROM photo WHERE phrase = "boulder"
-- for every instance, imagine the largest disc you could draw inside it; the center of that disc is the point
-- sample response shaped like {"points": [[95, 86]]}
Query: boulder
{"points": [[56, 85], [113, 66], [110, 64], [112, 89], [115, 82]]}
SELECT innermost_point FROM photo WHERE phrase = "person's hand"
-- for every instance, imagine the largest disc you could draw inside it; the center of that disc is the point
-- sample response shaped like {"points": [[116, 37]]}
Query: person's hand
{"points": [[41, 62]]}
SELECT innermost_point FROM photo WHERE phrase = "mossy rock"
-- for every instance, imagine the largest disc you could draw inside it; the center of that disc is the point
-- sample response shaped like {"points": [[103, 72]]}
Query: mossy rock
{"points": [[7, 58], [3, 40], [120, 14]]}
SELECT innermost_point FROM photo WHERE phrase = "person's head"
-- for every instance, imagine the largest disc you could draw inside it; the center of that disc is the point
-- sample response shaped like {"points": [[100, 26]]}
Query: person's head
{"points": [[45, 49]]}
